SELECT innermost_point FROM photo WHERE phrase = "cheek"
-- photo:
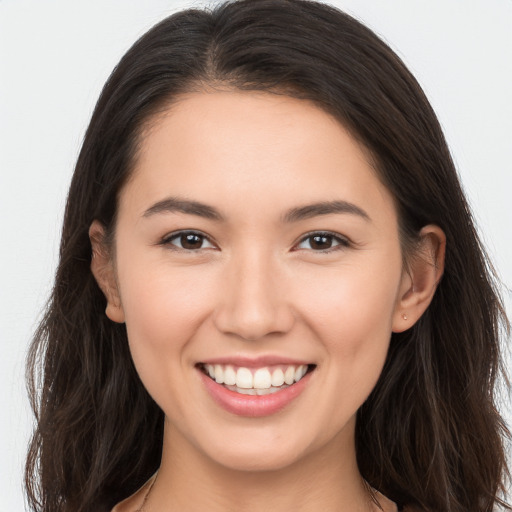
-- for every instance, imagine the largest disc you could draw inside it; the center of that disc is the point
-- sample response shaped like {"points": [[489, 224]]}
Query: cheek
{"points": [[351, 311], [353, 321], [163, 309], [359, 296]]}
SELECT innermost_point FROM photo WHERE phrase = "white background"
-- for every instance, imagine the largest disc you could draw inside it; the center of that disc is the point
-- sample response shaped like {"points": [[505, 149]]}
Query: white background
{"points": [[55, 57]]}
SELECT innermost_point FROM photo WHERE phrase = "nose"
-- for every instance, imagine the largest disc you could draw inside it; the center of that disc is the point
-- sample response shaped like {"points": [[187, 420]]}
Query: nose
{"points": [[253, 301]]}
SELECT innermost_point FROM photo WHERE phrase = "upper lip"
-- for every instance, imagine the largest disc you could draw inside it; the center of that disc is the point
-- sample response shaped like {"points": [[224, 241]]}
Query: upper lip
{"points": [[255, 362]]}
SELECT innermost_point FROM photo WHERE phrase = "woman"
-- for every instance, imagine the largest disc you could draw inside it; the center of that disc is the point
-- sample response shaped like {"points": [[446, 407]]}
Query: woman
{"points": [[271, 294]]}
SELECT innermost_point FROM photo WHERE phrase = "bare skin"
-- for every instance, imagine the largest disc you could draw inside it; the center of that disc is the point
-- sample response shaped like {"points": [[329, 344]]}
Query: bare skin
{"points": [[259, 278]]}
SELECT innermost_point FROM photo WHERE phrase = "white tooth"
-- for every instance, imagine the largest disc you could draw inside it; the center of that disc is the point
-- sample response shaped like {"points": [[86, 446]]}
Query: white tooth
{"points": [[243, 391], [289, 375], [262, 379], [229, 376], [270, 390], [304, 369], [244, 378], [219, 374], [277, 378], [211, 370], [298, 373]]}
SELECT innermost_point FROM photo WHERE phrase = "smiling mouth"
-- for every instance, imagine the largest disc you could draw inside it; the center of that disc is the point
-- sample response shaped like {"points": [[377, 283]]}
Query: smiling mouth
{"points": [[256, 381]]}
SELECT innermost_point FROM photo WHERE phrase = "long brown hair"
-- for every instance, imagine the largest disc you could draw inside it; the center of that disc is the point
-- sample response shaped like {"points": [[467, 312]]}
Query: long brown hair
{"points": [[430, 434]]}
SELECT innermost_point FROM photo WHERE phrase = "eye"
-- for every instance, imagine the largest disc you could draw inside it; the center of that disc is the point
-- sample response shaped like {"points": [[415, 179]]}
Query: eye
{"points": [[323, 242], [187, 241]]}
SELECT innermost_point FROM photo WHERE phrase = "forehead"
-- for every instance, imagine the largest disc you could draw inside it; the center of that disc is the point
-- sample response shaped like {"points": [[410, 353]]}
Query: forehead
{"points": [[234, 148]]}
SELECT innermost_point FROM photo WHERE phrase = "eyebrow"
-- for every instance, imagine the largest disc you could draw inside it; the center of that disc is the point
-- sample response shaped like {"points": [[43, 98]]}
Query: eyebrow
{"points": [[323, 208], [177, 205]]}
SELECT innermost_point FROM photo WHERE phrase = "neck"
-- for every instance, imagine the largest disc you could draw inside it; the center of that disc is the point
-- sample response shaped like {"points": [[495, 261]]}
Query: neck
{"points": [[326, 479]]}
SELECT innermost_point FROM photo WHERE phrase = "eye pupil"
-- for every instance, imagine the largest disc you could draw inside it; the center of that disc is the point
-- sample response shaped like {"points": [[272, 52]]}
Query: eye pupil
{"points": [[191, 241], [321, 242]]}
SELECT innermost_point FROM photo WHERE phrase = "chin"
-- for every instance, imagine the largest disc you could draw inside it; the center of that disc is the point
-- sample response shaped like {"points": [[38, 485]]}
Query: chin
{"points": [[251, 460], [259, 450]]}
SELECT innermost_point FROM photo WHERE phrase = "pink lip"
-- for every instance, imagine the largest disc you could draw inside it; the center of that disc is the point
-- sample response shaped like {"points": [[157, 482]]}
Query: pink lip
{"points": [[253, 405]]}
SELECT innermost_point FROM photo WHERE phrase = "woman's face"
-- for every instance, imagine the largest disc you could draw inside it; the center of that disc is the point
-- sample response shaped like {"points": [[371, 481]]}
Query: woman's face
{"points": [[254, 237]]}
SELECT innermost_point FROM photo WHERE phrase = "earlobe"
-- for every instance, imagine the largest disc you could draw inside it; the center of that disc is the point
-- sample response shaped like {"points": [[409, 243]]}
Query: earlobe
{"points": [[420, 279], [103, 270]]}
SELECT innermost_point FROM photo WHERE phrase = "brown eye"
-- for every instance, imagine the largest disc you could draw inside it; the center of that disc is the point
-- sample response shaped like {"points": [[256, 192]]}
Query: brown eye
{"points": [[191, 241], [188, 241], [323, 242]]}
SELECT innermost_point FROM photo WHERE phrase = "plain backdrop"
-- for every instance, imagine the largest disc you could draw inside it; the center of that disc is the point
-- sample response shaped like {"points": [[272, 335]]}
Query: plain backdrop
{"points": [[55, 57]]}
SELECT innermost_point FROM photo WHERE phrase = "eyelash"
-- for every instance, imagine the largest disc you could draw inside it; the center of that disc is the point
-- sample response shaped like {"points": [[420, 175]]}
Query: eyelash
{"points": [[342, 242], [167, 241]]}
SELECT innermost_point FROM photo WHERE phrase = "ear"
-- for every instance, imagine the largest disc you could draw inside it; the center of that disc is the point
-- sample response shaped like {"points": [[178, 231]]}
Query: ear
{"points": [[102, 267], [419, 281]]}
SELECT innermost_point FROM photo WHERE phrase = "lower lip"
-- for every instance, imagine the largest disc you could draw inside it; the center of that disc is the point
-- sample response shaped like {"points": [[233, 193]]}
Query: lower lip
{"points": [[254, 406]]}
